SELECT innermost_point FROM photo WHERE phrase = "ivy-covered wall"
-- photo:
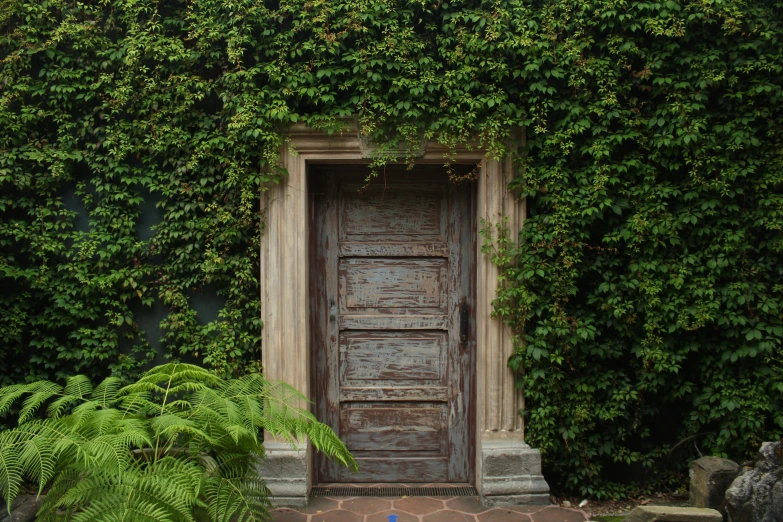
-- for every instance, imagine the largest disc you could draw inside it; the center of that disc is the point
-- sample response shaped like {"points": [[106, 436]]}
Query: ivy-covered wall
{"points": [[136, 136]]}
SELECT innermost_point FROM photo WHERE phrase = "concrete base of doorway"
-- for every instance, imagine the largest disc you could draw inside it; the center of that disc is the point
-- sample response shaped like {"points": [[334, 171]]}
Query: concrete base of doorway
{"points": [[284, 469], [510, 474]]}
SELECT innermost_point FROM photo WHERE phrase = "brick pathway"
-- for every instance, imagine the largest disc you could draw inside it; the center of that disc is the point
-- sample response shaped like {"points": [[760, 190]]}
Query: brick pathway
{"points": [[421, 509]]}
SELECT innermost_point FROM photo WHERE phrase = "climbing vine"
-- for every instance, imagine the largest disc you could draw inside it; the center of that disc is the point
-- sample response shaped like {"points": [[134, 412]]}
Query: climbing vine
{"points": [[137, 135]]}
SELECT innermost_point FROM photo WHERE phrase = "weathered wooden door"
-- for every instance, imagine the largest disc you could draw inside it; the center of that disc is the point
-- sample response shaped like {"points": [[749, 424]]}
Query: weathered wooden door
{"points": [[392, 300]]}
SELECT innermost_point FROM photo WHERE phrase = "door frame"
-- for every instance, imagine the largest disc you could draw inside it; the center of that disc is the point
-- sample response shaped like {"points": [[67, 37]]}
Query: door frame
{"points": [[285, 292]]}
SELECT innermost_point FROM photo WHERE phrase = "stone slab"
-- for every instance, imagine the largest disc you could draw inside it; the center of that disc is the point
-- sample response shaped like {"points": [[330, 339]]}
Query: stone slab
{"points": [[541, 499], [673, 514]]}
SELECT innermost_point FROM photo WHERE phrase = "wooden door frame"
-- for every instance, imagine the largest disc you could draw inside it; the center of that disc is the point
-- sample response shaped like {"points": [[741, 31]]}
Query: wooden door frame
{"points": [[285, 291]]}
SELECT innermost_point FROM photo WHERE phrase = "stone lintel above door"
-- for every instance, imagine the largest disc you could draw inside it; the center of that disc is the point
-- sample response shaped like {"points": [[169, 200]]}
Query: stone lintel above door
{"points": [[285, 314]]}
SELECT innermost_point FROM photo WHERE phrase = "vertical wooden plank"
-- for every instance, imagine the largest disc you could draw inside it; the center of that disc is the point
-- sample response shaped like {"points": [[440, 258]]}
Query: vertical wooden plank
{"points": [[468, 242], [323, 324], [461, 351]]}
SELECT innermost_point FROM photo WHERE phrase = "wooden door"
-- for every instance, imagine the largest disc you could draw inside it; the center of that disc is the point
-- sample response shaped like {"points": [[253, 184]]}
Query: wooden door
{"points": [[392, 300]]}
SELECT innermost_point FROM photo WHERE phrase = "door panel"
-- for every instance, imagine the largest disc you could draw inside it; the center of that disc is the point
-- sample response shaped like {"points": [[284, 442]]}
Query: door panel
{"points": [[402, 427], [407, 358], [409, 284], [391, 268]]}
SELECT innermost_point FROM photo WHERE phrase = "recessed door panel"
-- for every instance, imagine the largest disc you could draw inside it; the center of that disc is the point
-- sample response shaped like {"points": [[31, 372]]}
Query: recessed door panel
{"points": [[369, 283], [372, 358]]}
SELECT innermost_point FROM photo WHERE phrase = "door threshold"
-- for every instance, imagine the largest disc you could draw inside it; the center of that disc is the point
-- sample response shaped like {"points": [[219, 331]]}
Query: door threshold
{"points": [[393, 490]]}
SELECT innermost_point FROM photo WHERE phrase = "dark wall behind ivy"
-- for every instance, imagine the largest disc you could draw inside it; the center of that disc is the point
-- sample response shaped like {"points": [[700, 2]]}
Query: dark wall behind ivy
{"points": [[136, 136]]}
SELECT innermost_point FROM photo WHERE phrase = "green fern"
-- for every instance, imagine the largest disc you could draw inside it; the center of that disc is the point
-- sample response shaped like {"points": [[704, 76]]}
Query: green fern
{"points": [[180, 444]]}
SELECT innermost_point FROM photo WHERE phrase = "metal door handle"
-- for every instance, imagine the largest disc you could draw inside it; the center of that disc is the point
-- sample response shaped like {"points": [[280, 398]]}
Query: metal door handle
{"points": [[464, 322]]}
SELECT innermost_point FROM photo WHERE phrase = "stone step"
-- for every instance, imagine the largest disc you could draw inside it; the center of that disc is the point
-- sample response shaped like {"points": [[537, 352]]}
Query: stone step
{"points": [[673, 514]]}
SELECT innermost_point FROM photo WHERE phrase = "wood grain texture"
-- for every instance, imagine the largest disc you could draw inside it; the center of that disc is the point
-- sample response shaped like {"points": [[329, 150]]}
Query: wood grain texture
{"points": [[408, 320], [399, 357], [402, 427], [366, 214], [392, 249], [368, 283], [395, 393], [396, 377]]}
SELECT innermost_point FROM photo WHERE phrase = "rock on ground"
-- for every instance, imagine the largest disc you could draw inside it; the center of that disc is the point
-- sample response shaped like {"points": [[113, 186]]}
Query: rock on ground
{"points": [[23, 509], [710, 478], [756, 495]]}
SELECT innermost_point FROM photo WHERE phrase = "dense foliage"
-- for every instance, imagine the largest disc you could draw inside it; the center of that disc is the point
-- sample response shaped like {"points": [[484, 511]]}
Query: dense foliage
{"points": [[180, 444], [646, 290]]}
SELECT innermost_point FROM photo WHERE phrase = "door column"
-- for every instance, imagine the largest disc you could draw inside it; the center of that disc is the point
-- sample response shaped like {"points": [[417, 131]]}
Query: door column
{"points": [[284, 298], [509, 471]]}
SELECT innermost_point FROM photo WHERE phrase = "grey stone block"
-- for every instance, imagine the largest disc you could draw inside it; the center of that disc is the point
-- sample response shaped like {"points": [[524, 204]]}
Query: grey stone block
{"points": [[280, 487], [673, 514], [498, 462], [284, 470], [710, 478], [511, 474]]}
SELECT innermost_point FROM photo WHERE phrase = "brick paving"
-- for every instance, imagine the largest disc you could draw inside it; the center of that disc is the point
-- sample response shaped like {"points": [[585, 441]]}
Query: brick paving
{"points": [[421, 509]]}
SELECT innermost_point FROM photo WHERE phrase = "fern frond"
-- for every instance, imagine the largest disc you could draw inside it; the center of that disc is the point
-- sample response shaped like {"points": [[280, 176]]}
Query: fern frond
{"points": [[40, 392], [78, 386], [96, 488], [252, 412], [62, 484], [56, 408], [179, 372], [139, 388], [9, 395], [137, 403], [240, 434], [113, 451], [81, 415], [38, 460], [106, 392], [124, 510], [242, 498], [100, 422], [169, 426], [10, 474], [236, 464], [186, 386], [176, 407]]}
